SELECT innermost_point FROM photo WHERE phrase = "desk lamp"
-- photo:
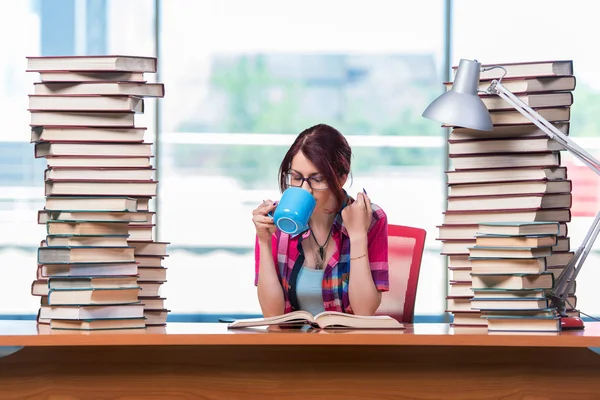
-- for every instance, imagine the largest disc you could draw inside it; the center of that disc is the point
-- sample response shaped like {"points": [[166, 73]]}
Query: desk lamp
{"points": [[461, 106]]}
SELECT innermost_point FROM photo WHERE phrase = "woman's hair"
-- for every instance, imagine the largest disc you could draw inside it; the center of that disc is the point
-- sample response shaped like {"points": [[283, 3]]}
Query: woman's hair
{"points": [[327, 149]]}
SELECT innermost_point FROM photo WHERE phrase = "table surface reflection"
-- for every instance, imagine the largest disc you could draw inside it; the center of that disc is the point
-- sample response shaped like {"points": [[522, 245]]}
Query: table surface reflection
{"points": [[29, 333]]}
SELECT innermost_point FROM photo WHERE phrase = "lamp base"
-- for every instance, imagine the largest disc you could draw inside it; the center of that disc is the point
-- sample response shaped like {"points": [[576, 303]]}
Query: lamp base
{"points": [[571, 323]]}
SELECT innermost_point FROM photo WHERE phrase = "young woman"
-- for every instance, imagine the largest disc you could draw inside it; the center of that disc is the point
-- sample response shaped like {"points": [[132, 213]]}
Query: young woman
{"points": [[340, 263]]}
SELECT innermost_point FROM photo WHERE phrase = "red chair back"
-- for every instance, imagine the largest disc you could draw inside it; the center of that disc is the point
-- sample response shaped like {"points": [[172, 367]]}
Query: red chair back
{"points": [[405, 249]]}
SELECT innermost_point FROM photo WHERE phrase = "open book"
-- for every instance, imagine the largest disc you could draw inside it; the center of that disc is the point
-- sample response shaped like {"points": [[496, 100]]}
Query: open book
{"points": [[326, 319]]}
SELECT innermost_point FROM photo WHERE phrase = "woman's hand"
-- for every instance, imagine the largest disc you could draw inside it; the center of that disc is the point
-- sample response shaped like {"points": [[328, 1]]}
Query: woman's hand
{"points": [[357, 216], [265, 227]]}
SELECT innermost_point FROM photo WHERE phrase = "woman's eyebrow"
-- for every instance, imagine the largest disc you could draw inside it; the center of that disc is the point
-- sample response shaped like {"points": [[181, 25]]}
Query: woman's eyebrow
{"points": [[300, 173]]}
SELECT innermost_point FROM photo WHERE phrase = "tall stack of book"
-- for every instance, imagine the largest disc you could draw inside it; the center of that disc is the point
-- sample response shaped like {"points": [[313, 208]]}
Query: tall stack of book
{"points": [[512, 174], [98, 266]]}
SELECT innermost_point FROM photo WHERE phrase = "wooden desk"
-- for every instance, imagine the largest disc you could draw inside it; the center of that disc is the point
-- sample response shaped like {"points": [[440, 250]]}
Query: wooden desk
{"points": [[206, 361]]}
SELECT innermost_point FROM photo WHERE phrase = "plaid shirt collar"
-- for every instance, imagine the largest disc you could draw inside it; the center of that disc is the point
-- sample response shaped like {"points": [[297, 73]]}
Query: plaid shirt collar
{"points": [[338, 222]]}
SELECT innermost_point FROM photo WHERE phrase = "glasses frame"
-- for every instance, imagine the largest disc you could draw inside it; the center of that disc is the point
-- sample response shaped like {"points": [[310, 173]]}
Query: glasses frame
{"points": [[302, 180]]}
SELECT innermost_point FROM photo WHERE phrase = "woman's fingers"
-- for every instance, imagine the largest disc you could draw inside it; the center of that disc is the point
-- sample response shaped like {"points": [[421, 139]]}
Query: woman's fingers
{"points": [[360, 197], [264, 208], [263, 219], [260, 226], [367, 203]]}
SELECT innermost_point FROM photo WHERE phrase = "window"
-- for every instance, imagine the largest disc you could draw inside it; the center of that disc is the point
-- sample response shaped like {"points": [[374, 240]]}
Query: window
{"points": [[243, 79], [62, 27]]}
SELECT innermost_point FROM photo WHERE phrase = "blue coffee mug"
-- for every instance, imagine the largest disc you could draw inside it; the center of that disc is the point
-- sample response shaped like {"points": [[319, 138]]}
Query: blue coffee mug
{"points": [[294, 210]]}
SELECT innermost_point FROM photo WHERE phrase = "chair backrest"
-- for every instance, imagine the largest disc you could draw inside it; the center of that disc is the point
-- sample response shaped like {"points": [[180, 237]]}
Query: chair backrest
{"points": [[405, 249]]}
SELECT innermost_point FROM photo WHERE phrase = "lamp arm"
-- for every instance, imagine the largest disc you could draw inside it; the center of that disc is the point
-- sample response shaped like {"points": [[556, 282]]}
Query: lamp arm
{"points": [[498, 89], [567, 282], [563, 284]]}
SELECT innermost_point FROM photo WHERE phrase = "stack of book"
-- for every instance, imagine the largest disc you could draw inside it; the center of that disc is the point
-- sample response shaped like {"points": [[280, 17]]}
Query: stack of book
{"points": [[513, 173], [509, 279], [98, 266]]}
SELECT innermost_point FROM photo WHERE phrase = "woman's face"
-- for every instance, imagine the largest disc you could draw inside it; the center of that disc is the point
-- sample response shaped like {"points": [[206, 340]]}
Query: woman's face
{"points": [[301, 168]]}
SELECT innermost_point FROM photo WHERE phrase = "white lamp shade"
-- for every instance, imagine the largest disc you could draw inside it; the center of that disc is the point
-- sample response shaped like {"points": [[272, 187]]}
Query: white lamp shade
{"points": [[461, 106]]}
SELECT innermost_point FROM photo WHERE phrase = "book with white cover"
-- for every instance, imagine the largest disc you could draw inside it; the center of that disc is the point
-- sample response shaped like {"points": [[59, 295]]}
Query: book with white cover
{"points": [[324, 320]]}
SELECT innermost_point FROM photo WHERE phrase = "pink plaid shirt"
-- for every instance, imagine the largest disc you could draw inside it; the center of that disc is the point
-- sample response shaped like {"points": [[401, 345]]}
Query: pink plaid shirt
{"points": [[288, 257]]}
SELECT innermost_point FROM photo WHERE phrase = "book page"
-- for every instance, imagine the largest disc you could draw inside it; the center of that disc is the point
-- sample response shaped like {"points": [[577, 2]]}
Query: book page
{"points": [[293, 317]]}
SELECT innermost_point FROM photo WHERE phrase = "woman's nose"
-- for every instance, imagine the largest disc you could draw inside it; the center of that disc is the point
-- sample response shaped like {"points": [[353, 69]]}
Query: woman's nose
{"points": [[306, 187]]}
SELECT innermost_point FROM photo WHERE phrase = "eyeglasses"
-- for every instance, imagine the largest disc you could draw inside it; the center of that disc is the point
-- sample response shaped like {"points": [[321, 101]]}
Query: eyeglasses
{"points": [[297, 180]]}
